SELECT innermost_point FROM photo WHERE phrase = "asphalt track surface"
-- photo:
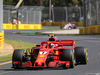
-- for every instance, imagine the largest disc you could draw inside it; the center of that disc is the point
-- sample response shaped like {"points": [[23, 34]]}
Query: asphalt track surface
{"points": [[92, 42]]}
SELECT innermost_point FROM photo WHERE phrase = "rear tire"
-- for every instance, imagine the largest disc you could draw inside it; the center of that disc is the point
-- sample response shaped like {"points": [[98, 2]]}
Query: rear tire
{"points": [[68, 55], [81, 54], [17, 56]]}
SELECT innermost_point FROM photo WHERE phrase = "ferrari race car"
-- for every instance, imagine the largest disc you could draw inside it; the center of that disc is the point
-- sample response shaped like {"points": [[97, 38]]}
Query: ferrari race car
{"points": [[51, 53], [68, 26]]}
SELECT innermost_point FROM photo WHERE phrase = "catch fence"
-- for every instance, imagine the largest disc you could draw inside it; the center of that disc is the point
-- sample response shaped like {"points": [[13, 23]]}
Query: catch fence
{"points": [[38, 14], [92, 12]]}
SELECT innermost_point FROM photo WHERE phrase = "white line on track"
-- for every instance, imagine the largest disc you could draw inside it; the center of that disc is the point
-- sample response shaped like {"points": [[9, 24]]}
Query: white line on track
{"points": [[92, 73], [5, 72]]}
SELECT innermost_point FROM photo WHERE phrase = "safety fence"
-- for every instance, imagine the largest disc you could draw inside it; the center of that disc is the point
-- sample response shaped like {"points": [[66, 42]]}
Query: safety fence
{"points": [[29, 17], [63, 14], [6, 16], [38, 14], [92, 17], [25, 14], [92, 12], [95, 29], [60, 23], [1, 40], [22, 26]]}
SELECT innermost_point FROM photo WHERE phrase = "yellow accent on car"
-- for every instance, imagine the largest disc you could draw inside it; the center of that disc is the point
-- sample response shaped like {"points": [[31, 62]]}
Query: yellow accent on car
{"points": [[41, 55], [51, 35], [56, 52]]}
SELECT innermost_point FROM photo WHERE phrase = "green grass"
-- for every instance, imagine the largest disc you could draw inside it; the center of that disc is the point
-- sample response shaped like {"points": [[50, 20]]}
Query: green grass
{"points": [[16, 45], [19, 44], [6, 58]]}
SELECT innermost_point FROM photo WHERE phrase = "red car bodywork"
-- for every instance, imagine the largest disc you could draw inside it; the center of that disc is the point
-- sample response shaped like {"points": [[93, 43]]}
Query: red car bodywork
{"points": [[45, 51]]}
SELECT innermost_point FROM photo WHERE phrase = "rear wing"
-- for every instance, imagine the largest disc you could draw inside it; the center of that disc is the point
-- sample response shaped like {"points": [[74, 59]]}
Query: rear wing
{"points": [[67, 43]]}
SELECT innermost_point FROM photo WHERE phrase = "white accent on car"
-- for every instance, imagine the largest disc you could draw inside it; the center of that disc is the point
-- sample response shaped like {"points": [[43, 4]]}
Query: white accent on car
{"points": [[42, 53]]}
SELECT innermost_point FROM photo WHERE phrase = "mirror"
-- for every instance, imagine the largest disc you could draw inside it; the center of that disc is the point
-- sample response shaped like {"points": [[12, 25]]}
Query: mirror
{"points": [[60, 45], [38, 45]]}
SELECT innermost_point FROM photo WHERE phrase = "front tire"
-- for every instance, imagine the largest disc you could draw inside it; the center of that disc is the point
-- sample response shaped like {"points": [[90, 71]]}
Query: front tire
{"points": [[17, 56], [68, 55]]}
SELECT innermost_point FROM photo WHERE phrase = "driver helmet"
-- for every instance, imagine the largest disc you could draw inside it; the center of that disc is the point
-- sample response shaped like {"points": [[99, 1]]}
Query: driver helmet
{"points": [[51, 45]]}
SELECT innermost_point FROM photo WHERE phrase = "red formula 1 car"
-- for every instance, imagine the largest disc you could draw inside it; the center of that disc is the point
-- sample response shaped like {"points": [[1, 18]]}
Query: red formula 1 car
{"points": [[51, 53]]}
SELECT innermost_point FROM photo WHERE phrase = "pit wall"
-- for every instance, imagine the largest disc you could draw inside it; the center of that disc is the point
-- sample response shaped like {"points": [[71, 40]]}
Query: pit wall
{"points": [[22, 26], [95, 29], [1, 40], [61, 23]]}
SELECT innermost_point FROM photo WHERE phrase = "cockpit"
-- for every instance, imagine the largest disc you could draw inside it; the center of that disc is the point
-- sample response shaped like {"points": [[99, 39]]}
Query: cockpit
{"points": [[48, 45]]}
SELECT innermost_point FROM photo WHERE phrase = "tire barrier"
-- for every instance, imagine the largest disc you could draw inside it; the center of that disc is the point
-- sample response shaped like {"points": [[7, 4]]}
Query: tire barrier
{"points": [[22, 26], [95, 29], [60, 23], [1, 40]]}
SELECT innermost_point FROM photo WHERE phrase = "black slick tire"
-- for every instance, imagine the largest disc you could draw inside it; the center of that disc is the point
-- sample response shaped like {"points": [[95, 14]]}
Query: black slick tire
{"points": [[81, 54], [68, 55], [17, 56]]}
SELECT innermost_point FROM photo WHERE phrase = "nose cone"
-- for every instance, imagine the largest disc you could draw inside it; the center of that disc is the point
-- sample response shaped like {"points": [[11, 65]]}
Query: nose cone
{"points": [[41, 58], [39, 64]]}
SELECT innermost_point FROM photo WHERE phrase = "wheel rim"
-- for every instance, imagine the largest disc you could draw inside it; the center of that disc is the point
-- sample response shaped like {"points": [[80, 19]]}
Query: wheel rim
{"points": [[73, 60], [86, 56]]}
